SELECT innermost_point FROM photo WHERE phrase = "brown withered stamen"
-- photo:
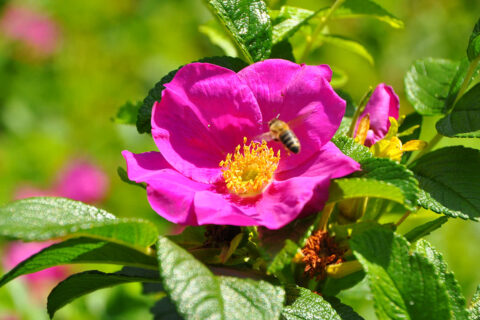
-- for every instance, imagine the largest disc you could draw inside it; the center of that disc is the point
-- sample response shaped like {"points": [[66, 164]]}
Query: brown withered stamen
{"points": [[219, 236], [320, 251]]}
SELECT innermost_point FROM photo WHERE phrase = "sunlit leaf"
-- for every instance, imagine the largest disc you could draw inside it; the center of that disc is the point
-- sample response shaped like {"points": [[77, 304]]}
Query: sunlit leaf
{"points": [[288, 21], [425, 229], [473, 50], [347, 44], [214, 31]]}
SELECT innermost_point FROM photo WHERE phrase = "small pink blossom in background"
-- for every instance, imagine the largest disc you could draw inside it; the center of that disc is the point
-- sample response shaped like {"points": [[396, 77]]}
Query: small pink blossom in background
{"points": [[383, 103], [79, 180], [205, 113], [34, 29]]}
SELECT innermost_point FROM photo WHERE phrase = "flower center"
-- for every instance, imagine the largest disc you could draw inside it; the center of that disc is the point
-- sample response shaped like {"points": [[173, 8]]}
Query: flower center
{"points": [[248, 173]]}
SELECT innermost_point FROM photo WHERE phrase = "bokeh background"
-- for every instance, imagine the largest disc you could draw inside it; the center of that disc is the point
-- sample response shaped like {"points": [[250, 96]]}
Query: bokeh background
{"points": [[57, 103]]}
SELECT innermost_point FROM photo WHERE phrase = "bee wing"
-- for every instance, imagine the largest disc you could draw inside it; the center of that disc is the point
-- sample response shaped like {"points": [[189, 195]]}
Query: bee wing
{"points": [[301, 117], [267, 136]]}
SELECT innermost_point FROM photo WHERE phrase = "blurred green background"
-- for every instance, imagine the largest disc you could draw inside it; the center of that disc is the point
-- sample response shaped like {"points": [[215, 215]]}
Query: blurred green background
{"points": [[56, 108]]}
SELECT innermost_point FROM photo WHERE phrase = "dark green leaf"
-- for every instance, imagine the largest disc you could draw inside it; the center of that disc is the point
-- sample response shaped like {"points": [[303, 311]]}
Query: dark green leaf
{"points": [[457, 301], [425, 229], [302, 304], [365, 8], [165, 310], [122, 173], [38, 219], [345, 312], [348, 44], [474, 310], [288, 21], [427, 84], [86, 282], [283, 50], [284, 257], [351, 105], [464, 119], [248, 23], [80, 250], [473, 49], [333, 286], [127, 114], [209, 296], [410, 127], [450, 180], [404, 284], [352, 149], [394, 173], [155, 94]]}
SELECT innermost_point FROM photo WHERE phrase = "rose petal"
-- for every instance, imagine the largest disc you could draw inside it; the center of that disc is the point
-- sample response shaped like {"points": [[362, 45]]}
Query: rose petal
{"points": [[302, 97], [169, 193], [383, 103], [215, 111]]}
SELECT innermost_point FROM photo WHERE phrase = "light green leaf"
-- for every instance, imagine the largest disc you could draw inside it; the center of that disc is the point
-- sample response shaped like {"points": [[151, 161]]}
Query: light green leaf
{"points": [[211, 297], [404, 284], [427, 84], [347, 44], [394, 173], [213, 30], [366, 9], [352, 149], [473, 49], [248, 23], [155, 94], [450, 180], [44, 218], [425, 229], [457, 301], [474, 310], [80, 250], [86, 282], [302, 304], [464, 119], [339, 77], [127, 114], [288, 21]]}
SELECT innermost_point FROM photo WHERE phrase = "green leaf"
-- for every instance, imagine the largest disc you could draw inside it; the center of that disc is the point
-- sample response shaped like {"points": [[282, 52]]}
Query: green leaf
{"points": [[394, 173], [283, 50], [351, 188], [38, 219], [410, 130], [333, 286], [345, 312], [427, 84], [248, 23], [352, 149], [80, 250], [302, 304], [284, 257], [457, 301], [339, 78], [288, 21], [351, 105], [165, 310], [155, 94], [450, 180], [347, 44], [127, 114], [86, 282], [464, 119], [365, 9], [211, 297], [425, 229], [473, 49], [474, 310], [404, 285], [122, 173], [214, 31]]}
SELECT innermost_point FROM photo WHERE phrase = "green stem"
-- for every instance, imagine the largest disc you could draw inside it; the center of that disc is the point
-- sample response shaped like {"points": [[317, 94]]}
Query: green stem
{"points": [[403, 218], [431, 144], [358, 111], [327, 211], [471, 70], [318, 29]]}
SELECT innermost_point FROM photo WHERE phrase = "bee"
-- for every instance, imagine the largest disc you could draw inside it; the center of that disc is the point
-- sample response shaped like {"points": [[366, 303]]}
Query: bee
{"points": [[280, 131]]}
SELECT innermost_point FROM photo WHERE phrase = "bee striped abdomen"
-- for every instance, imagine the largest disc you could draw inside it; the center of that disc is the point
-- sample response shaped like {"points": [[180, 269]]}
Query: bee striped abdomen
{"points": [[290, 141]]}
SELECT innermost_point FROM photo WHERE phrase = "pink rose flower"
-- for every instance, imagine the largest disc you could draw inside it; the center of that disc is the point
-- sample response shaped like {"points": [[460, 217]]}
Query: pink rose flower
{"points": [[383, 103], [82, 181], [31, 28], [210, 170]]}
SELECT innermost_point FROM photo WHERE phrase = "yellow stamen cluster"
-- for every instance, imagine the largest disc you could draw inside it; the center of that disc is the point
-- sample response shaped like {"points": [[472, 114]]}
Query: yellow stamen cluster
{"points": [[248, 173]]}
